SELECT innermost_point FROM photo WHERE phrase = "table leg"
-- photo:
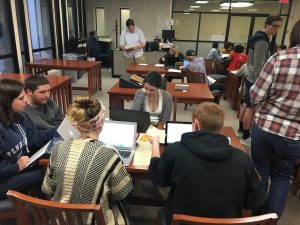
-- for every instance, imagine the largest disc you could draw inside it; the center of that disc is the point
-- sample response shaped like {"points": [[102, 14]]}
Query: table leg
{"points": [[174, 108]]}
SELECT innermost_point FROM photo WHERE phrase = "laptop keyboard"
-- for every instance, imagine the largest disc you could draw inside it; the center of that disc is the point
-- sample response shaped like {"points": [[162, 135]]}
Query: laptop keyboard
{"points": [[124, 154]]}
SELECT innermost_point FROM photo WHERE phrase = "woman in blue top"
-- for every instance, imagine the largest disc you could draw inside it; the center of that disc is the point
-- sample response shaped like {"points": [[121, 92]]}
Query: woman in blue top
{"points": [[17, 136]]}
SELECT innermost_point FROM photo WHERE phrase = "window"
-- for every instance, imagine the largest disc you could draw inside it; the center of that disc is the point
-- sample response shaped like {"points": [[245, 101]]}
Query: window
{"points": [[99, 14]]}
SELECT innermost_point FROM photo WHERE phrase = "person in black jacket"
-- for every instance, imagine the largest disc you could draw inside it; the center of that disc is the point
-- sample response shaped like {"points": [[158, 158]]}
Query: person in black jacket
{"points": [[208, 177]]}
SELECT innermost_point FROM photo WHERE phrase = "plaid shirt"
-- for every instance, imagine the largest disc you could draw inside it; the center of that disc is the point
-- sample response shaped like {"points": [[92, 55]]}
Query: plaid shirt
{"points": [[277, 95]]}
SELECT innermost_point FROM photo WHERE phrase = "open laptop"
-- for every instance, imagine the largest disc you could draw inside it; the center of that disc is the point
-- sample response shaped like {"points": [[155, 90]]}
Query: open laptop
{"points": [[141, 118], [121, 135], [170, 62], [174, 130], [67, 131]]}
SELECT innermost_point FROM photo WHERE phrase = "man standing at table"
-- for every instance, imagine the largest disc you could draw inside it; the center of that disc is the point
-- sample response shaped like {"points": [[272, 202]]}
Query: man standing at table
{"points": [[259, 53], [132, 41], [208, 177], [41, 109]]}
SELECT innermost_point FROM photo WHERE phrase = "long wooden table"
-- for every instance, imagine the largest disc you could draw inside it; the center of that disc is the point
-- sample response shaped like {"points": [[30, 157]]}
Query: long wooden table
{"points": [[196, 94], [93, 69], [61, 89], [231, 93], [144, 69]]}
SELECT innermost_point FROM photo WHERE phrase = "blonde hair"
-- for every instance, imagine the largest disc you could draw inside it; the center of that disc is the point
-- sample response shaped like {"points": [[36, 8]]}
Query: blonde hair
{"points": [[86, 113], [210, 117], [174, 50]]}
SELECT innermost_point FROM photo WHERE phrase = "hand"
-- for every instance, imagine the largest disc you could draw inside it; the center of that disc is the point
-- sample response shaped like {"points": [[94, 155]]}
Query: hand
{"points": [[23, 162], [154, 140]]}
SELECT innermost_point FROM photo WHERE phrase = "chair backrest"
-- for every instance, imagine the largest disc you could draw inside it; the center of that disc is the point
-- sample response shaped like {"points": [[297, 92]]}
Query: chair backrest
{"points": [[48, 212], [267, 219], [196, 77], [210, 66]]}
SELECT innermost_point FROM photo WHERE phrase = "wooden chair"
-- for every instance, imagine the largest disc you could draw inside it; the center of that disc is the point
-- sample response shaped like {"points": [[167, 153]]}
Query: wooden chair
{"points": [[296, 184], [267, 219], [48, 212], [7, 211], [210, 66]]}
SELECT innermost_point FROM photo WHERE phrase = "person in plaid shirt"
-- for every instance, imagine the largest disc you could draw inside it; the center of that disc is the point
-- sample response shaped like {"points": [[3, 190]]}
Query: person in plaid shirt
{"points": [[275, 137]]}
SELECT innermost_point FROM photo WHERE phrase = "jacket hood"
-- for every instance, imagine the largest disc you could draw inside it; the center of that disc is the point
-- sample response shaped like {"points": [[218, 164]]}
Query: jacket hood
{"points": [[206, 145], [258, 36]]}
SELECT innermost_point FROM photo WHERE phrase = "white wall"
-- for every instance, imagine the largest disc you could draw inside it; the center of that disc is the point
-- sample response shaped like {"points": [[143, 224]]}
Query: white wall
{"points": [[150, 16]]}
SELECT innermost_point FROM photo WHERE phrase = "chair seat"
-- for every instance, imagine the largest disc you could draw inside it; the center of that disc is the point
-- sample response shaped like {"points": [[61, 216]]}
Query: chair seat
{"points": [[5, 205], [218, 77]]}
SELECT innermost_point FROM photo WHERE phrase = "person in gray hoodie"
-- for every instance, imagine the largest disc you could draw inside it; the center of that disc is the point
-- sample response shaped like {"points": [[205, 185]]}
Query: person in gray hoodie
{"points": [[259, 53]]}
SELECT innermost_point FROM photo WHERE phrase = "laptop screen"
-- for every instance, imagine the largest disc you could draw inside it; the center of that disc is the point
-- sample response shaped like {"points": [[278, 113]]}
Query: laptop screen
{"points": [[174, 130], [171, 60], [119, 134]]}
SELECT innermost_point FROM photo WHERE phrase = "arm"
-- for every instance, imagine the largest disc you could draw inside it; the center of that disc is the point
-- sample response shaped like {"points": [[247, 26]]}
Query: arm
{"points": [[261, 87], [142, 40], [59, 117], [166, 107], [122, 40], [138, 100], [216, 55], [260, 52]]}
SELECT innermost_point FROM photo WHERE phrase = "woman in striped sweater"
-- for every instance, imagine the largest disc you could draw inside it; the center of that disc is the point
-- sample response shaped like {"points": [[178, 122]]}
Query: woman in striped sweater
{"points": [[86, 170]]}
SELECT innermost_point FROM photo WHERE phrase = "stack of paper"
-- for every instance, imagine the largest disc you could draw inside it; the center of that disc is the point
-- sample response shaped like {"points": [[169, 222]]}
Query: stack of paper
{"points": [[142, 155], [159, 65], [142, 64], [174, 70], [153, 131], [211, 80]]}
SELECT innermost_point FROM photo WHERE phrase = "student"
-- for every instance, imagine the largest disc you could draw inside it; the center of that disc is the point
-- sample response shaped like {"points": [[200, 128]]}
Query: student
{"points": [[40, 108], [93, 45], [152, 99], [208, 177], [214, 53], [18, 136], [228, 46], [85, 170], [237, 58]]}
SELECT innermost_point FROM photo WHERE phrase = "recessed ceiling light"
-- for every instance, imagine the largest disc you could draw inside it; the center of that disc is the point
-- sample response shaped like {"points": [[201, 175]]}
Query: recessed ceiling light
{"points": [[201, 2], [192, 9], [237, 4], [195, 6]]}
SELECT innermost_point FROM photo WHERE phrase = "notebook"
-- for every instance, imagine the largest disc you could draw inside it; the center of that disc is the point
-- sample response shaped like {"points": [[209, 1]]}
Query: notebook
{"points": [[141, 118], [174, 130], [67, 131], [121, 135]]}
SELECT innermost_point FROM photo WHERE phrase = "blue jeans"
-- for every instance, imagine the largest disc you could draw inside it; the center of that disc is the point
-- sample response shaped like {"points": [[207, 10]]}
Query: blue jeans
{"points": [[22, 182], [274, 157]]}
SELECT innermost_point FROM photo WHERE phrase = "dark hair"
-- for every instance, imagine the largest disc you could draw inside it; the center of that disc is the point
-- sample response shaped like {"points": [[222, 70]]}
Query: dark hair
{"points": [[34, 81], [239, 48], [282, 47], [92, 33], [295, 35], [271, 18], [228, 44], [129, 22], [154, 79], [215, 44], [9, 90]]}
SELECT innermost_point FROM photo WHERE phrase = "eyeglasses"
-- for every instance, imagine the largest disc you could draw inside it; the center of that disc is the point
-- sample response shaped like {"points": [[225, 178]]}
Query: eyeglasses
{"points": [[275, 25]]}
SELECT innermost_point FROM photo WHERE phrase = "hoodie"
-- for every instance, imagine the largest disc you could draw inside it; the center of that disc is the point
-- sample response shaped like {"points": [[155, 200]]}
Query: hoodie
{"points": [[259, 53], [13, 143], [208, 177]]}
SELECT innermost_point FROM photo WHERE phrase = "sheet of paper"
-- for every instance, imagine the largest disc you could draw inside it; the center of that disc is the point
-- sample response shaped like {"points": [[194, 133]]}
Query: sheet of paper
{"points": [[211, 80], [159, 65], [38, 154], [233, 71], [153, 131], [142, 155], [143, 64], [174, 70]]}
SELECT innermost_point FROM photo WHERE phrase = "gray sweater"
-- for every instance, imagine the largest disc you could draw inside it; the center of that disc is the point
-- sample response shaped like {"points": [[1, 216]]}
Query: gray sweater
{"points": [[45, 116], [140, 96]]}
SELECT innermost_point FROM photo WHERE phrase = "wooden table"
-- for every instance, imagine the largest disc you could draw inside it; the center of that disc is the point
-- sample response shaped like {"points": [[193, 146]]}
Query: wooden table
{"points": [[144, 69], [197, 93], [61, 89], [93, 69], [231, 93]]}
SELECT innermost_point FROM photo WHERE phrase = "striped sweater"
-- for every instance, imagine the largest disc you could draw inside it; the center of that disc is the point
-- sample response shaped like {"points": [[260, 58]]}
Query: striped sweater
{"points": [[82, 171]]}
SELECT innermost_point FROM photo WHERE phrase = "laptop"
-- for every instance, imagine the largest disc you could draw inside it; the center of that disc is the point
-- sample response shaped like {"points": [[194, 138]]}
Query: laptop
{"points": [[141, 118], [170, 62], [121, 135], [186, 63], [67, 131], [174, 130]]}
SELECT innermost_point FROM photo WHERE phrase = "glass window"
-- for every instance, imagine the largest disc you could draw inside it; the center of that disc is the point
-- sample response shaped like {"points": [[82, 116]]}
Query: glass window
{"points": [[99, 14], [184, 46], [280, 31], [42, 54], [239, 36], [204, 48], [5, 37], [39, 23], [212, 27], [124, 15], [7, 65], [183, 21]]}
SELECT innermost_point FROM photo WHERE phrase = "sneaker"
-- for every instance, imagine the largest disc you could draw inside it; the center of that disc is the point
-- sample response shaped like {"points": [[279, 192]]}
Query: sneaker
{"points": [[239, 133], [246, 141]]}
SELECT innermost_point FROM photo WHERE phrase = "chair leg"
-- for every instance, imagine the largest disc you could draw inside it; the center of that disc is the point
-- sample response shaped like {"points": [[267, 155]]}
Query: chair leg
{"points": [[185, 106]]}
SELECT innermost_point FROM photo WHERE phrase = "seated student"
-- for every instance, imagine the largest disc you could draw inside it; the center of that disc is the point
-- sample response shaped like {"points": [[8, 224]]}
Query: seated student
{"points": [[228, 46], [18, 136], [40, 108], [196, 64], [152, 99], [94, 47], [237, 57], [214, 52], [208, 177], [85, 170]]}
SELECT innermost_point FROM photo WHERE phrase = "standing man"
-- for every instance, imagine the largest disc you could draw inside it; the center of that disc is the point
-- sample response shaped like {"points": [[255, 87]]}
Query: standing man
{"points": [[259, 53], [276, 127], [41, 109], [132, 41]]}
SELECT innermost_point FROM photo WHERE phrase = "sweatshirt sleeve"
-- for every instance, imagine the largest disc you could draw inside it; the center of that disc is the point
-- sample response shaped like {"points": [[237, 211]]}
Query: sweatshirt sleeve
{"points": [[167, 107], [138, 100]]}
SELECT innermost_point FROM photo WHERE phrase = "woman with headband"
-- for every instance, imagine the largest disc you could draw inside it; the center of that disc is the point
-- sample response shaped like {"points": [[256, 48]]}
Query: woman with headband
{"points": [[85, 170]]}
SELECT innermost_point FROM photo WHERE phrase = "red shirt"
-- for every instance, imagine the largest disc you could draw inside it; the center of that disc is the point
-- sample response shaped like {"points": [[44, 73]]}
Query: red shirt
{"points": [[238, 59]]}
